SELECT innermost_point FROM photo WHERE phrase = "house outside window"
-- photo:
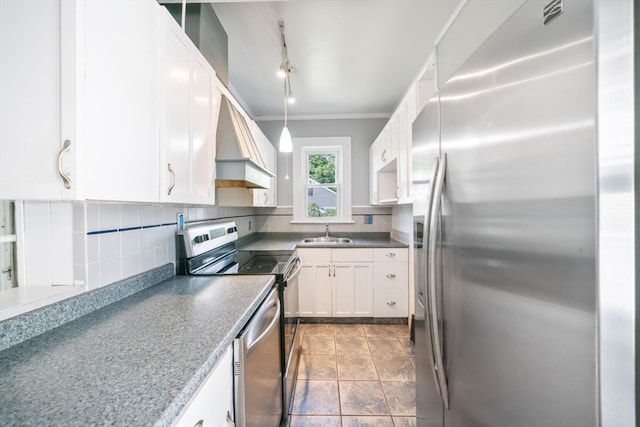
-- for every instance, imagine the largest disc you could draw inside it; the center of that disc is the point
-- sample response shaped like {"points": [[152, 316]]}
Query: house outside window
{"points": [[322, 179]]}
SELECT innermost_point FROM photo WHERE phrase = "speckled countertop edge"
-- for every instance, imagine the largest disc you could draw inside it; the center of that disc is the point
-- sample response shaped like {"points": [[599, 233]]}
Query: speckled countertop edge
{"points": [[25, 326], [135, 362], [360, 240]]}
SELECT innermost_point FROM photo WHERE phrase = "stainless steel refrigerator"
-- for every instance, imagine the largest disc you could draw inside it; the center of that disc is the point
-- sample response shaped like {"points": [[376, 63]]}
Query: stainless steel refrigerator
{"points": [[523, 226]]}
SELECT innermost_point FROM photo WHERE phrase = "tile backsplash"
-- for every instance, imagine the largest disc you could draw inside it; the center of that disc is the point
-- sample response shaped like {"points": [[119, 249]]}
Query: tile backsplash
{"points": [[366, 219], [107, 242]]}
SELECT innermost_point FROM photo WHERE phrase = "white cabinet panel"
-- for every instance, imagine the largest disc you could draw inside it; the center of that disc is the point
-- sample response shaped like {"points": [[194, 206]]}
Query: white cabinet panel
{"points": [[190, 104], [67, 73], [213, 401], [390, 254], [121, 95], [336, 282], [391, 303], [352, 290], [390, 275]]}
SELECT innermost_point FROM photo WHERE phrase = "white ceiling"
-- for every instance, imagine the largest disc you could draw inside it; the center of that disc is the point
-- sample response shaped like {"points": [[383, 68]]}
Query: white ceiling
{"points": [[352, 58]]}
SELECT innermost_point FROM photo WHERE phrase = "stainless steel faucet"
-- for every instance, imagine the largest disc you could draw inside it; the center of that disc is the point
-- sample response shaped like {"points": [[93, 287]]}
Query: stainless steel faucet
{"points": [[326, 231]]}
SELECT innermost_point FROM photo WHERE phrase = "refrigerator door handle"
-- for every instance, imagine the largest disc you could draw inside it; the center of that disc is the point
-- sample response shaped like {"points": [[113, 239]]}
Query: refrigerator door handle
{"points": [[431, 280], [423, 297]]}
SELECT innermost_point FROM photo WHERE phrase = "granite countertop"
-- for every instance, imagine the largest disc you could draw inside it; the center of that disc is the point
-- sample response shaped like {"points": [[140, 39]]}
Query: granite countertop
{"points": [[289, 241], [137, 361]]}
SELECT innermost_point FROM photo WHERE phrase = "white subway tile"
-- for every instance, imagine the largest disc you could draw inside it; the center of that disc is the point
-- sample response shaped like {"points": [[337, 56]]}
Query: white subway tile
{"points": [[130, 241], [110, 271], [145, 214], [147, 259], [93, 248], [161, 256], [147, 239], [130, 265], [109, 216], [93, 217], [109, 246], [93, 275], [129, 216]]}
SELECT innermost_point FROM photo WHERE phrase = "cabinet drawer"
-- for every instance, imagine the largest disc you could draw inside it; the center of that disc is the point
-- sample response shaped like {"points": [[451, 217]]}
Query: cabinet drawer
{"points": [[352, 255], [390, 303], [390, 275], [391, 255], [314, 254]]}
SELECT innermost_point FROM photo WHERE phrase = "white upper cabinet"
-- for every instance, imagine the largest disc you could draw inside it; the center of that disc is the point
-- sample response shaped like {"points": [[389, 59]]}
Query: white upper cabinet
{"points": [[190, 103], [390, 155], [79, 100]]}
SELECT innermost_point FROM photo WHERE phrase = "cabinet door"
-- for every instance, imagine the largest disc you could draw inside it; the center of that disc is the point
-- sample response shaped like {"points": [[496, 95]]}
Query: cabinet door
{"points": [[121, 92], [213, 399], [352, 290], [30, 102], [374, 165], [202, 103], [190, 104], [176, 103], [314, 287]]}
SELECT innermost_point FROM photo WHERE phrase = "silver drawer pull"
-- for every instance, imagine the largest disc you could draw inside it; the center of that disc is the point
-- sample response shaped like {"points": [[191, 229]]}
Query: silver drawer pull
{"points": [[391, 254], [199, 423], [391, 276], [66, 178], [391, 303]]}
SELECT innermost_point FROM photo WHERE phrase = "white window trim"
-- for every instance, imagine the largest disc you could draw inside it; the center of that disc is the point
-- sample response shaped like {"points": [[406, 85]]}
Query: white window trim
{"points": [[343, 170]]}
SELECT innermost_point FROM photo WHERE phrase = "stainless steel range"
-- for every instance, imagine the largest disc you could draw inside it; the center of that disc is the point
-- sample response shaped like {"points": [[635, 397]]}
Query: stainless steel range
{"points": [[210, 249]]}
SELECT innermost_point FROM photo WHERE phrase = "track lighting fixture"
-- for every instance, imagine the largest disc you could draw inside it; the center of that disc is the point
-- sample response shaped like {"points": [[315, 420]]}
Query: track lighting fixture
{"points": [[286, 144]]}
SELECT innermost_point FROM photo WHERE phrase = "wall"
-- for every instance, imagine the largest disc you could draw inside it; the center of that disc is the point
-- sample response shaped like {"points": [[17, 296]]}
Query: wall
{"points": [[362, 133]]}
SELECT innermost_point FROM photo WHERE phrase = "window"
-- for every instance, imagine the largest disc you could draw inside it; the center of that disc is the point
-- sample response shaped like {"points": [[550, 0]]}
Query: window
{"points": [[7, 246], [322, 177]]}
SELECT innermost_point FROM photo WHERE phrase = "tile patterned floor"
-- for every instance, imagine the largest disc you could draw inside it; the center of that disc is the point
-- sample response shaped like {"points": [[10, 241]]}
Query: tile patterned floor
{"points": [[355, 376]]}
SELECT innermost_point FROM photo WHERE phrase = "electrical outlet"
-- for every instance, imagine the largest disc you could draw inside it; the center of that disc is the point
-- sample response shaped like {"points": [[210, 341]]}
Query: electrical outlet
{"points": [[368, 219]]}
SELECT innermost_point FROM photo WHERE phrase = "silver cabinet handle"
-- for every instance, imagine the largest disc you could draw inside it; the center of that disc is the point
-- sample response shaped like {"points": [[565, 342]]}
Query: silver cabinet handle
{"points": [[334, 271], [391, 303], [431, 283], [383, 156], [391, 276], [173, 179], [66, 178], [266, 198], [200, 423], [230, 421], [391, 254]]}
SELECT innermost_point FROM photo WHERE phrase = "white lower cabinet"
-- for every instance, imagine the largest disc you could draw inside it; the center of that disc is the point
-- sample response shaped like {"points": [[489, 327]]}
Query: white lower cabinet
{"points": [[336, 282], [212, 404], [390, 282]]}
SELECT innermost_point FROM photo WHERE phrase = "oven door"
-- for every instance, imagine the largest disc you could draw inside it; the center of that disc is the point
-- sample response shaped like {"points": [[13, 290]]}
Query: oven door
{"points": [[257, 373], [290, 332]]}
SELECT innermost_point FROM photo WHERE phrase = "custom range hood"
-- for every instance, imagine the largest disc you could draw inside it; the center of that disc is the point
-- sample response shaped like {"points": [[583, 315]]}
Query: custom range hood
{"points": [[239, 163]]}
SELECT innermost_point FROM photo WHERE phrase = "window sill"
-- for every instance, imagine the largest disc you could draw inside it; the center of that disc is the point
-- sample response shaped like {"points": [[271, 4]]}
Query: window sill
{"points": [[322, 222]]}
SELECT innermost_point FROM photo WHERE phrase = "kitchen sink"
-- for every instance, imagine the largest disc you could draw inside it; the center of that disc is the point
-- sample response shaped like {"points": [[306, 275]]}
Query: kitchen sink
{"points": [[325, 240]]}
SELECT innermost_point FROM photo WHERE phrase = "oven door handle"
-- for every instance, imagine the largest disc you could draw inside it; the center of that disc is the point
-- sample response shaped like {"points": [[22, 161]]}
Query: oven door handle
{"points": [[271, 326], [297, 270]]}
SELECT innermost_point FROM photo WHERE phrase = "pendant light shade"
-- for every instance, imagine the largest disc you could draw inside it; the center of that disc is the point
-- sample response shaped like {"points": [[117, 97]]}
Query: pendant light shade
{"points": [[286, 144]]}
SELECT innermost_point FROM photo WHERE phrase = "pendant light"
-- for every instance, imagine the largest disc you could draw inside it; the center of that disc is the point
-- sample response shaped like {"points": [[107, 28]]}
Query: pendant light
{"points": [[286, 143]]}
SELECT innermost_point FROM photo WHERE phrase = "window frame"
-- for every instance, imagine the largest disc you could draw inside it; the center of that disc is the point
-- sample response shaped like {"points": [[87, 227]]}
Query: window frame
{"points": [[341, 147]]}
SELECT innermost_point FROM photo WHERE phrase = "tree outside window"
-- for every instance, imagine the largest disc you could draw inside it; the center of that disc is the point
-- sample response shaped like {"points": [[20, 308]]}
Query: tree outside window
{"points": [[322, 179]]}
